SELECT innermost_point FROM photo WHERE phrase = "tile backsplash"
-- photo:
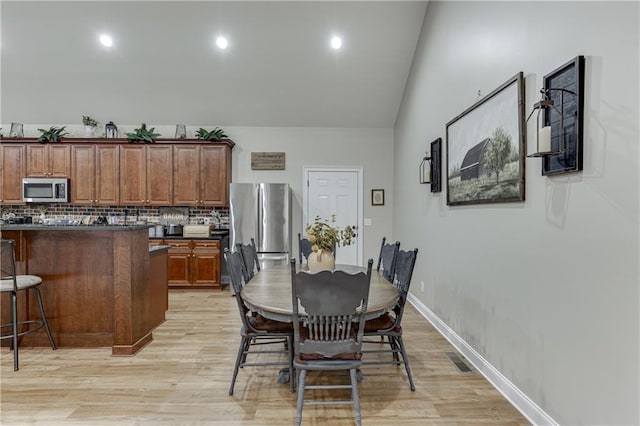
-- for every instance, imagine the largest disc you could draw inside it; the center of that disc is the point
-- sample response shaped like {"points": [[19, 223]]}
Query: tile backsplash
{"points": [[184, 215]]}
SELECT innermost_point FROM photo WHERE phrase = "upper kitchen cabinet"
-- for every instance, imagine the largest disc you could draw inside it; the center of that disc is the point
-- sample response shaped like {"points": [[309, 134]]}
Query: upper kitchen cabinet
{"points": [[95, 174], [145, 175], [201, 174], [48, 160], [12, 162]]}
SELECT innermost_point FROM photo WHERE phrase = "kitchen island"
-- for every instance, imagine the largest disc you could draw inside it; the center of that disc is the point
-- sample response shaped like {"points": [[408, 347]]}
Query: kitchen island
{"points": [[97, 286]]}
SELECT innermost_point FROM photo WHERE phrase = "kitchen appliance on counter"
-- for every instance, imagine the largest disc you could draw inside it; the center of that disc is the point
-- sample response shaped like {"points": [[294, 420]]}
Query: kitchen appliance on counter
{"points": [[45, 190], [173, 230], [197, 231], [262, 211]]}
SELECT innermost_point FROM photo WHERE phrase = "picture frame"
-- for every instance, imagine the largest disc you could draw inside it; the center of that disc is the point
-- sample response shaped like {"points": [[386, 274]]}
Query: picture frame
{"points": [[377, 197], [486, 148], [565, 87], [436, 165]]}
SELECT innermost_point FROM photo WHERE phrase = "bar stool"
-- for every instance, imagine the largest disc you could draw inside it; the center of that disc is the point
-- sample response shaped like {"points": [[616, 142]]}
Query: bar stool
{"points": [[12, 283]]}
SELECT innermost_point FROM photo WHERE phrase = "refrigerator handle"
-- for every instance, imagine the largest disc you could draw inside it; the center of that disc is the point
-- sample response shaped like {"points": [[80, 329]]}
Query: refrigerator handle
{"points": [[259, 215]]}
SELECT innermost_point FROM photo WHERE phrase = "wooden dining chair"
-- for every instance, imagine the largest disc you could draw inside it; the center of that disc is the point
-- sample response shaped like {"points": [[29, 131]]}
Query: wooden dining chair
{"points": [[250, 259], [389, 325], [257, 331], [325, 337], [14, 283], [304, 248], [387, 258]]}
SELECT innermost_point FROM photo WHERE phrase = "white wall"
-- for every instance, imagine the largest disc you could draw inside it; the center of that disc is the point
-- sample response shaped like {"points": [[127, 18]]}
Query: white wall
{"points": [[547, 291], [371, 149]]}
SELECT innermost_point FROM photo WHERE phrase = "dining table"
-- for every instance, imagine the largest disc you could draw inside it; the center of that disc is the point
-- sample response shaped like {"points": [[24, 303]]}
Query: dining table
{"points": [[269, 292]]}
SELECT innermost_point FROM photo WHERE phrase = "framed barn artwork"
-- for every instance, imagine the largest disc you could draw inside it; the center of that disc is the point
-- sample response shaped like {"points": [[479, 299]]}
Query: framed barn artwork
{"points": [[486, 148]]}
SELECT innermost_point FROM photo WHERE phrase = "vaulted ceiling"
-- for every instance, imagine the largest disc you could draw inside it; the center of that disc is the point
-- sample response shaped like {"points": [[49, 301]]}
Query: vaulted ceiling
{"points": [[164, 66]]}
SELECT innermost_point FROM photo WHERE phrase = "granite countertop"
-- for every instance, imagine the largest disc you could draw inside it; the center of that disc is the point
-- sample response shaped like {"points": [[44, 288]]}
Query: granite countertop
{"points": [[39, 227]]}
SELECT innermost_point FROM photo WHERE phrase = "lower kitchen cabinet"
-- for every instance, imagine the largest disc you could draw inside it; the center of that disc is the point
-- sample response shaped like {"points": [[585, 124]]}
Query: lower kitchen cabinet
{"points": [[194, 263]]}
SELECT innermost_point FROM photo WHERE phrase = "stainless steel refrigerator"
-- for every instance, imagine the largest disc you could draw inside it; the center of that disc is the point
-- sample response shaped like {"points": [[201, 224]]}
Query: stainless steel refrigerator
{"points": [[262, 211]]}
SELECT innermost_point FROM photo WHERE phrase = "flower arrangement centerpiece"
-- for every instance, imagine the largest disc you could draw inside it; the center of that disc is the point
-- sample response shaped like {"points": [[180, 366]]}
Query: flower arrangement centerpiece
{"points": [[324, 235]]}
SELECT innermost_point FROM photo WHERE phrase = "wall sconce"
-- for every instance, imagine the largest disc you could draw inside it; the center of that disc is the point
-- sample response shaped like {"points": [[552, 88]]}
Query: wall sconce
{"points": [[560, 119], [543, 134], [425, 168], [430, 166]]}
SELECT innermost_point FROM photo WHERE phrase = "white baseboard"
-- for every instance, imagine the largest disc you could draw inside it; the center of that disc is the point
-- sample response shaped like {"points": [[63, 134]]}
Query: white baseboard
{"points": [[515, 396]]}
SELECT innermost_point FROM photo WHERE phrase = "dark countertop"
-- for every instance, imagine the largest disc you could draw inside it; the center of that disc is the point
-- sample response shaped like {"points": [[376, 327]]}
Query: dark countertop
{"points": [[38, 227]]}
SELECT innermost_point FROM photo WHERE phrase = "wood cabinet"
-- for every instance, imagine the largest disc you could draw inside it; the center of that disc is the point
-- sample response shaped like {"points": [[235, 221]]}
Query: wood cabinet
{"points": [[169, 172], [12, 164], [95, 174], [201, 175], [48, 160], [194, 263], [145, 176]]}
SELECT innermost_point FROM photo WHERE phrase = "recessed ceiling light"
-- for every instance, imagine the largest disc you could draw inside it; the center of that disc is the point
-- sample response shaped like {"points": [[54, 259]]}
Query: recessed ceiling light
{"points": [[336, 42], [106, 40], [222, 42]]}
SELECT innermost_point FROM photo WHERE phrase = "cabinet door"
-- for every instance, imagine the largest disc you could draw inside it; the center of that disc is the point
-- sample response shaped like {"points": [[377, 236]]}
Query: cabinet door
{"points": [[59, 160], [205, 262], [48, 160], [178, 263], [13, 170], [186, 175], [107, 176], [213, 176], [159, 186], [83, 174], [133, 174], [37, 161]]}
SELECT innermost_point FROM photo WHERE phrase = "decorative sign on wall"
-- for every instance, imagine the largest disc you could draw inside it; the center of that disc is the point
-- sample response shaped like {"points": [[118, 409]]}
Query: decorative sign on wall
{"points": [[267, 160]]}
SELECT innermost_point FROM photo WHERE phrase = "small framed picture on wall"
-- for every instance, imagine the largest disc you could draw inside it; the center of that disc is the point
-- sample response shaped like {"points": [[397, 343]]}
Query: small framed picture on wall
{"points": [[377, 197]]}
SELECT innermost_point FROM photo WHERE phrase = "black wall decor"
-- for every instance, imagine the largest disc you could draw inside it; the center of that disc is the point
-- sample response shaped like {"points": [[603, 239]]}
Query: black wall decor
{"points": [[436, 162], [565, 87]]}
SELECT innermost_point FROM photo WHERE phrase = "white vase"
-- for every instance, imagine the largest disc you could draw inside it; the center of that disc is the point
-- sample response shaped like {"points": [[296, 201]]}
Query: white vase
{"points": [[89, 131], [321, 260]]}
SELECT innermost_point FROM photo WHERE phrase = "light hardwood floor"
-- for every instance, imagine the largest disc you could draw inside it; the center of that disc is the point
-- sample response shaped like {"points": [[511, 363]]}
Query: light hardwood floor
{"points": [[182, 378]]}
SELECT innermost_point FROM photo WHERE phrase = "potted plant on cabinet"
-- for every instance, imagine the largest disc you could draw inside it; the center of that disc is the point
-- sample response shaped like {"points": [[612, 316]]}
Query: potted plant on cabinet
{"points": [[90, 126], [54, 134], [210, 135], [142, 134]]}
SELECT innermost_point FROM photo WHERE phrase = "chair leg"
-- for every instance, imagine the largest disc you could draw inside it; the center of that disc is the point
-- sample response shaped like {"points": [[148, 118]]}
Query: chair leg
{"points": [[14, 320], [44, 318], [395, 348], [406, 362], [292, 371], [302, 374], [355, 396], [239, 357]]}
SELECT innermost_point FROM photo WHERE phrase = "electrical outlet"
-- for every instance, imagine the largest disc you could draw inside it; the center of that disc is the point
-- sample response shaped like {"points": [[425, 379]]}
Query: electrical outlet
{"points": [[422, 286]]}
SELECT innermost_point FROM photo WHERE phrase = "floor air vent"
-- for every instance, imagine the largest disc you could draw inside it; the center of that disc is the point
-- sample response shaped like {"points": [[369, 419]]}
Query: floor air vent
{"points": [[458, 362]]}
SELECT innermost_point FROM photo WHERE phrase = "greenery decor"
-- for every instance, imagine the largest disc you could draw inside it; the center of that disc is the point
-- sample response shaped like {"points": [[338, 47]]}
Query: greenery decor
{"points": [[213, 135], [142, 134], [54, 134], [88, 121], [325, 235]]}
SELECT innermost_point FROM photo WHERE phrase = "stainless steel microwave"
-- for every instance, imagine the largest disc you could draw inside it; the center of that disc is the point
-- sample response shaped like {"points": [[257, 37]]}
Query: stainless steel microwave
{"points": [[45, 190]]}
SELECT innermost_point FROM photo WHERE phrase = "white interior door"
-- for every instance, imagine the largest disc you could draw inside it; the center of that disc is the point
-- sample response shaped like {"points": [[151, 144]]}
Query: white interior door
{"points": [[336, 191]]}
